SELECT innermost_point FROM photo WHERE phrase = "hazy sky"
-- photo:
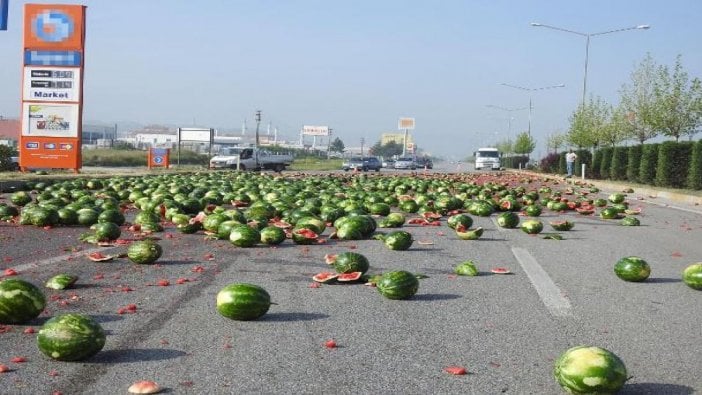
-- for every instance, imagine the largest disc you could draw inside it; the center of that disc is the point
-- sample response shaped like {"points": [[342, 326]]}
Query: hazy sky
{"points": [[359, 65]]}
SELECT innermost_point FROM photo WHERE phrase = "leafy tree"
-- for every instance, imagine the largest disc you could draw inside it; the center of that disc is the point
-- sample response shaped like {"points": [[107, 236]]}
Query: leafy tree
{"points": [[386, 150], [587, 123], [505, 146], [555, 141], [679, 102], [638, 102], [524, 144], [613, 131], [337, 145]]}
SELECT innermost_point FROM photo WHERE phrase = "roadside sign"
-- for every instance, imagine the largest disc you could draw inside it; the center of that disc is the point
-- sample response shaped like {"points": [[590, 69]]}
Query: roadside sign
{"points": [[3, 14], [405, 124], [308, 130]]}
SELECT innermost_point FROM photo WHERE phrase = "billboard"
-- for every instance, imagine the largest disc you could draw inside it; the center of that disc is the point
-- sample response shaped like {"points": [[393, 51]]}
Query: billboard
{"points": [[50, 120], [308, 130], [405, 124], [52, 86], [57, 84], [194, 134]]}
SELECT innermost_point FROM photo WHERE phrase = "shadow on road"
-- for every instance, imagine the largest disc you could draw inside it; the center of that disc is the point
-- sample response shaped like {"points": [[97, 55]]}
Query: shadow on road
{"points": [[656, 389], [132, 355], [662, 280], [293, 316]]}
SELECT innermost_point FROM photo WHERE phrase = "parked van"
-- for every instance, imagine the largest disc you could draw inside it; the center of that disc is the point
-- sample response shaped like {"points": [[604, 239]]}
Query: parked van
{"points": [[487, 159]]}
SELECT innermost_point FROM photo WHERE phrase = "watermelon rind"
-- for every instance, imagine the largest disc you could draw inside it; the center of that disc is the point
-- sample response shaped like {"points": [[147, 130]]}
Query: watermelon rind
{"points": [[470, 234], [632, 268], [61, 281], [243, 302], [466, 268], [590, 370], [71, 337], [692, 276], [398, 285], [20, 301], [325, 277]]}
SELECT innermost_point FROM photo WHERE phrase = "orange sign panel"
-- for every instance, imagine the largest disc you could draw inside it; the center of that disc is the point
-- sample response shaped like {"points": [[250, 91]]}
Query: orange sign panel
{"points": [[54, 26]]}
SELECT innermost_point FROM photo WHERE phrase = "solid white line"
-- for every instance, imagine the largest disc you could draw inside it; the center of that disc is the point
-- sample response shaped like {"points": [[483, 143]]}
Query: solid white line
{"points": [[549, 292]]}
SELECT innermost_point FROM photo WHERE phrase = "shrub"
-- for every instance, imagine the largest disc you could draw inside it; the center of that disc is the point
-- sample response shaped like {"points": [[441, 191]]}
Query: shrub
{"points": [[649, 160], [513, 162], [694, 177], [606, 163], [617, 170], [673, 164], [584, 157], [596, 162], [549, 164], [634, 162], [6, 154], [562, 167]]}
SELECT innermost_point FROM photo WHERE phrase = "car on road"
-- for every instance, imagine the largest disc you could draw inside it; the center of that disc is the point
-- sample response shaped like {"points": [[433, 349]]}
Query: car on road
{"points": [[389, 163], [424, 162], [405, 163], [366, 163]]}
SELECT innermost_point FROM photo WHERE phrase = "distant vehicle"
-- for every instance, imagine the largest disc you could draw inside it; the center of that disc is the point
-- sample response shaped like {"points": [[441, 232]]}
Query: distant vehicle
{"points": [[14, 163], [424, 162], [250, 159], [487, 159], [362, 164], [389, 163], [406, 163]]}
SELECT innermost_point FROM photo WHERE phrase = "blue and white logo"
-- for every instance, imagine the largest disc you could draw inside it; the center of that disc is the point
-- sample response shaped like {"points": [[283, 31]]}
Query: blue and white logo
{"points": [[158, 160], [53, 26]]}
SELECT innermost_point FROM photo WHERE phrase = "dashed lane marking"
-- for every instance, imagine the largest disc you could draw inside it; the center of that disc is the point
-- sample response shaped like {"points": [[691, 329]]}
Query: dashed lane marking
{"points": [[548, 291]]}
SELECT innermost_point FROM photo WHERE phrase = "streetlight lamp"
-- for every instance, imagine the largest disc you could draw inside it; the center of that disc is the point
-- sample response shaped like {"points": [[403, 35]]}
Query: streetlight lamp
{"points": [[587, 42], [510, 118], [530, 90]]}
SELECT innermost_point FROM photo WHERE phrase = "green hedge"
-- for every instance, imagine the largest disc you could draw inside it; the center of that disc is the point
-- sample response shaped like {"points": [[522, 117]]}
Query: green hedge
{"points": [[673, 164], [634, 162], [617, 169], [562, 166], [596, 162], [649, 160], [694, 178], [584, 157], [6, 154], [606, 163]]}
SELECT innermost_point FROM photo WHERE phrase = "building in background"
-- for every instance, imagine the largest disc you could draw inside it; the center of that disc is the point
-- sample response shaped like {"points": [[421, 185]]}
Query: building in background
{"points": [[398, 138], [10, 129]]}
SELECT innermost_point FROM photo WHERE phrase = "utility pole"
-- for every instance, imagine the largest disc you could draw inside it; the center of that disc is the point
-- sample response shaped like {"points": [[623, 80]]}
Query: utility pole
{"points": [[258, 123], [362, 142], [329, 143]]}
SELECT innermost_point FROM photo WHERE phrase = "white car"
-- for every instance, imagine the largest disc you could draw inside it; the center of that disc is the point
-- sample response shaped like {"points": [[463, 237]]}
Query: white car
{"points": [[405, 164]]}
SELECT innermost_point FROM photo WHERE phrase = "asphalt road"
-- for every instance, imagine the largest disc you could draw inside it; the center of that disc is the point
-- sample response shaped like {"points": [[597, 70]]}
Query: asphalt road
{"points": [[506, 330]]}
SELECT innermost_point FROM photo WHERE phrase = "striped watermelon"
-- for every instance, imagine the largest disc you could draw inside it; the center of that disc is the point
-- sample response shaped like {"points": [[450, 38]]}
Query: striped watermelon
{"points": [[590, 370], [20, 301], [71, 337], [243, 302], [398, 285]]}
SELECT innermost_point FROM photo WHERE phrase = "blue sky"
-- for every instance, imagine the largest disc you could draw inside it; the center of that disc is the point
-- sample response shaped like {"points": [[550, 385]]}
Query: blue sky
{"points": [[358, 66]]}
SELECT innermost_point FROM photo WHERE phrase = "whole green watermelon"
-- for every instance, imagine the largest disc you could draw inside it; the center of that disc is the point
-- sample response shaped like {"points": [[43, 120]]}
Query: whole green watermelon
{"points": [[398, 240], [632, 268], [20, 301], [349, 262], [590, 370], [692, 276], [243, 302], [71, 337], [398, 285], [144, 252], [244, 236]]}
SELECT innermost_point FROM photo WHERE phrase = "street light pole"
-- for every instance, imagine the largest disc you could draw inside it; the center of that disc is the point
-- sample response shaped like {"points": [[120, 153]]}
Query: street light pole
{"points": [[258, 123], [587, 43], [532, 90]]}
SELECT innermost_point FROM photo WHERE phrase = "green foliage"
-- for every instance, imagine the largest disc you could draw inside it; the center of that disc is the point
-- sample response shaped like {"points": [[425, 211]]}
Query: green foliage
{"points": [[588, 123], [524, 144], [122, 158], [505, 147], [584, 157], [386, 150], [337, 145], [679, 102], [555, 142], [123, 145], [649, 161], [638, 102], [617, 170], [562, 166], [673, 164], [694, 177], [606, 162], [596, 163], [514, 161], [6, 154], [634, 162]]}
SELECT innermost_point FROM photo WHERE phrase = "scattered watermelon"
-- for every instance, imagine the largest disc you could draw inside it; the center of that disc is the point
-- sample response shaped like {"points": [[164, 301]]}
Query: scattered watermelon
{"points": [[71, 337], [508, 220], [398, 240], [632, 269], [61, 281], [20, 301], [466, 268], [562, 225], [500, 270], [243, 302], [398, 285], [350, 262], [590, 370], [349, 277], [532, 226], [144, 252], [469, 234], [630, 221], [325, 277], [244, 236], [692, 276]]}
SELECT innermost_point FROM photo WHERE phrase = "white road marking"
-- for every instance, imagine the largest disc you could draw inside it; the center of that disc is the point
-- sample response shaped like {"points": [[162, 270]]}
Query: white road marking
{"points": [[549, 292]]}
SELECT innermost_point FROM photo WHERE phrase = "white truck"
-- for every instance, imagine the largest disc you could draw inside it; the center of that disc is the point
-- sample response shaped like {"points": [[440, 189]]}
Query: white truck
{"points": [[487, 159], [249, 158]]}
